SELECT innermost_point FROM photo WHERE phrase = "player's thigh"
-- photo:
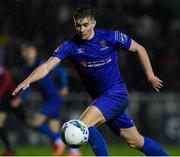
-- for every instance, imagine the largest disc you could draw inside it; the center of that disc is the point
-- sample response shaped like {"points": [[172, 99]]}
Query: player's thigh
{"points": [[104, 108], [3, 116], [122, 125], [132, 137], [52, 109], [54, 125], [38, 120], [92, 116], [121, 121]]}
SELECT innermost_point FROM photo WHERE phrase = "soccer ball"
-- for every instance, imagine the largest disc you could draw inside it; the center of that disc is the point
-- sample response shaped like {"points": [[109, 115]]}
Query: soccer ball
{"points": [[74, 133]]}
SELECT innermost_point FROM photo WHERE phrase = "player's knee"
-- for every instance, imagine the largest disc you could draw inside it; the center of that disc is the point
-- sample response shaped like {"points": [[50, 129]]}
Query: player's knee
{"points": [[36, 124], [3, 117], [54, 125], [136, 142], [38, 120], [33, 125], [133, 138], [92, 116]]}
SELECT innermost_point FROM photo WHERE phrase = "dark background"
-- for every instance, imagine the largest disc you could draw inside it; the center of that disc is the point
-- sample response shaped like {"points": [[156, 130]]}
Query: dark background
{"points": [[153, 23]]}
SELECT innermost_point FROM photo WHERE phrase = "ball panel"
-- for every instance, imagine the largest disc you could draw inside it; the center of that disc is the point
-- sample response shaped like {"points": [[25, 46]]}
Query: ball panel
{"points": [[74, 133]]}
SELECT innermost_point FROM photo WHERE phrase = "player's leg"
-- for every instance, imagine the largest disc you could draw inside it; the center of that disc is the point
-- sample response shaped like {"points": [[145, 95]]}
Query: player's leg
{"points": [[52, 111], [54, 125], [123, 126], [58, 144], [40, 120], [146, 145], [5, 109], [39, 123], [3, 135], [102, 109], [92, 116]]}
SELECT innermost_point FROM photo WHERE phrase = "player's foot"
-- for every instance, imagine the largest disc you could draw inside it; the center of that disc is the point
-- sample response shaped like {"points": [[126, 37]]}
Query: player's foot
{"points": [[74, 153], [8, 152], [58, 149]]}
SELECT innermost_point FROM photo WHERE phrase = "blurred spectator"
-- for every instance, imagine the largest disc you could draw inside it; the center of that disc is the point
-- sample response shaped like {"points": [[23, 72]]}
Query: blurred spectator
{"points": [[6, 102]]}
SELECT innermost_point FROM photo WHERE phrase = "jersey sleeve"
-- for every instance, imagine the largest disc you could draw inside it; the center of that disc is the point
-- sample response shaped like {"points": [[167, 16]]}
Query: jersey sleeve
{"points": [[121, 40], [62, 52]]}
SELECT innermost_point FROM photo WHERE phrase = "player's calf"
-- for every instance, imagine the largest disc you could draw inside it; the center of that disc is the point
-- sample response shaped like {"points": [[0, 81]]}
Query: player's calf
{"points": [[132, 137], [144, 144], [92, 116]]}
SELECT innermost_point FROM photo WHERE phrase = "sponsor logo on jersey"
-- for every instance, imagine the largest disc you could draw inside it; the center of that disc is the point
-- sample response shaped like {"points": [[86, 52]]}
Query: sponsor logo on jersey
{"points": [[96, 63], [80, 50]]}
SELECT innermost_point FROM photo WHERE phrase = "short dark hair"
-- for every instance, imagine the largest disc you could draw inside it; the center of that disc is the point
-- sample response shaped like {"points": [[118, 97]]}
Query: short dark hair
{"points": [[83, 12], [28, 44]]}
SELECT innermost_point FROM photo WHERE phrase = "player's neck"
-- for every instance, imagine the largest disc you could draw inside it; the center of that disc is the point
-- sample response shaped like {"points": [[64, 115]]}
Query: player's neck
{"points": [[91, 35], [30, 62]]}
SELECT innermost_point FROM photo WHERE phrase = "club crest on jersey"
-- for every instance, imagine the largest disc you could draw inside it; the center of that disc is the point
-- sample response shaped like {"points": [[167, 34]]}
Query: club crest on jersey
{"points": [[103, 45], [121, 37], [80, 50]]}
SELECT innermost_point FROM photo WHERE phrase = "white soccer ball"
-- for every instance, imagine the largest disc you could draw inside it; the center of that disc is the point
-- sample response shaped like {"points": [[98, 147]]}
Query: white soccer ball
{"points": [[74, 133]]}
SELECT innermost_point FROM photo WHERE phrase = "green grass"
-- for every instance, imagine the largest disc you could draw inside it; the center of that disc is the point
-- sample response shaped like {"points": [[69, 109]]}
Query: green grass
{"points": [[114, 150]]}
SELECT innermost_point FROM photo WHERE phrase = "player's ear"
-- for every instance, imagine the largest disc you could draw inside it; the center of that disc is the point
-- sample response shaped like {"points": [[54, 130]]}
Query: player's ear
{"points": [[94, 22]]}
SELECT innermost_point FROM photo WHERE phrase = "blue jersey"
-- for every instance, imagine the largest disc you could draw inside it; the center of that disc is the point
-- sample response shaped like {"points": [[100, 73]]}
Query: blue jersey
{"points": [[97, 60], [46, 86]]}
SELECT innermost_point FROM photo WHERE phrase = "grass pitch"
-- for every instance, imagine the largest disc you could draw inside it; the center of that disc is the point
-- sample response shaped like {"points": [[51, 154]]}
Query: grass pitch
{"points": [[114, 150]]}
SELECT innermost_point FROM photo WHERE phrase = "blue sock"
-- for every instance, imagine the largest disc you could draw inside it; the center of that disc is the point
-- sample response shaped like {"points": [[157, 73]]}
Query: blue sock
{"points": [[44, 128], [152, 148], [97, 142]]}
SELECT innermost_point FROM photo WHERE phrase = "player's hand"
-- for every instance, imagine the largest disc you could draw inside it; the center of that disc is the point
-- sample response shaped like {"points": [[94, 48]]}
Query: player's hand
{"points": [[22, 86], [155, 82], [16, 102], [63, 91]]}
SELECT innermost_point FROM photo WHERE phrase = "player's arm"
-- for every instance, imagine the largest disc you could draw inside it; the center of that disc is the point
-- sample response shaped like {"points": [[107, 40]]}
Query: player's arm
{"points": [[38, 73], [144, 59]]}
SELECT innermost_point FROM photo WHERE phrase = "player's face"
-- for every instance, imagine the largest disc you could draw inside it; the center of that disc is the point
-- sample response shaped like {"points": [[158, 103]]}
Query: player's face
{"points": [[85, 28], [29, 54]]}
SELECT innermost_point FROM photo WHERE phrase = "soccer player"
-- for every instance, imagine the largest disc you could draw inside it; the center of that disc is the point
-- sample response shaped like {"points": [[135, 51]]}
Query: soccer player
{"points": [[94, 53], [6, 102], [47, 119]]}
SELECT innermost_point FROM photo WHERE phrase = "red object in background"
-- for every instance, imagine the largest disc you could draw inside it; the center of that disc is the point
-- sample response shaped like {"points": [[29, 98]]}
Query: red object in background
{"points": [[6, 82], [8, 152]]}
